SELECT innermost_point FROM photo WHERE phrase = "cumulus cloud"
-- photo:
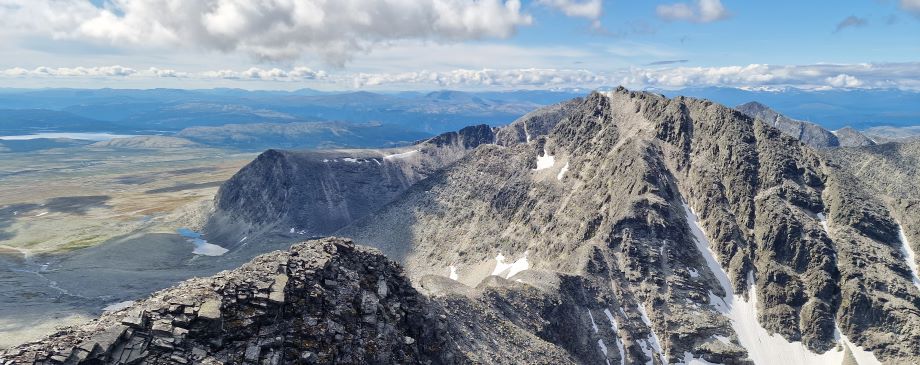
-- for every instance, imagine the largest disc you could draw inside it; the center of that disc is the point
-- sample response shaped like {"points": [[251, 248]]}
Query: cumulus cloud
{"points": [[904, 76], [485, 77], [590, 9], [702, 11], [851, 21], [269, 29], [273, 74], [104, 71], [844, 80], [116, 72], [820, 76]]}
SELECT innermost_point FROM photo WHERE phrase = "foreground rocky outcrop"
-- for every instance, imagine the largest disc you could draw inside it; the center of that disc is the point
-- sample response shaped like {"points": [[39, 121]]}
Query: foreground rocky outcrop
{"points": [[324, 301], [330, 301]]}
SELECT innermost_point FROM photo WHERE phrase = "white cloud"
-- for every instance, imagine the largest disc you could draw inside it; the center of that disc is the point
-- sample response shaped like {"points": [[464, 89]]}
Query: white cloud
{"points": [[911, 6], [508, 78], [843, 80], [818, 76], [333, 31], [103, 71], [703, 11], [590, 9], [254, 73]]}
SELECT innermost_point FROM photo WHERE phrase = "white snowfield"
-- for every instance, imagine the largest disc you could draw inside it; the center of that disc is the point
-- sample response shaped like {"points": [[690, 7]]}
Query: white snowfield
{"points": [[453, 273], [910, 256], [563, 171], [762, 347], [508, 269], [546, 161]]}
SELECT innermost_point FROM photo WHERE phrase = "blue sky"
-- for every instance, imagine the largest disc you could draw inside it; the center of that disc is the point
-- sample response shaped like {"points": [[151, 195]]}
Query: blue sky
{"points": [[461, 44]]}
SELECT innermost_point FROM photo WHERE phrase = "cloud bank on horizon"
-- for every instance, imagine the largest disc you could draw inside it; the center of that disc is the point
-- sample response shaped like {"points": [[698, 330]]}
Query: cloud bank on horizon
{"points": [[904, 76], [448, 43]]}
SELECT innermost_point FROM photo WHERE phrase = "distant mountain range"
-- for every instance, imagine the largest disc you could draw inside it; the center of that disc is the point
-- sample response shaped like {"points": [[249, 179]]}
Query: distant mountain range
{"points": [[257, 120]]}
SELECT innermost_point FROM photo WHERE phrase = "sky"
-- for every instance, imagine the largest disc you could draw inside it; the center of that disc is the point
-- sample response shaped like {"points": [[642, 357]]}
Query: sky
{"points": [[460, 44]]}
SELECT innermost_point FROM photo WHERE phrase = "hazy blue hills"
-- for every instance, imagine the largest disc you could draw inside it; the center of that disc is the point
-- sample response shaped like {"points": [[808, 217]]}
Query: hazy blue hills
{"points": [[307, 118], [831, 109]]}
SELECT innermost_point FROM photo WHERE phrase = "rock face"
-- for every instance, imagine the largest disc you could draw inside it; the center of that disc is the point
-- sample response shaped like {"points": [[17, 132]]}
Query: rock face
{"points": [[535, 124], [809, 133], [314, 193], [320, 302], [624, 227], [610, 209], [849, 137]]}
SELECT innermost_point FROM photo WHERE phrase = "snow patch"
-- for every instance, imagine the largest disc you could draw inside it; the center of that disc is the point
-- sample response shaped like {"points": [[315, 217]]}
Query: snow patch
{"points": [[613, 321], [118, 306], [509, 269], [862, 356], [593, 324], [910, 256], [693, 272], [546, 161], [41, 214], [723, 339], [652, 337], [563, 171], [616, 331], [823, 220], [762, 346], [453, 273], [349, 159], [400, 155], [600, 343]]}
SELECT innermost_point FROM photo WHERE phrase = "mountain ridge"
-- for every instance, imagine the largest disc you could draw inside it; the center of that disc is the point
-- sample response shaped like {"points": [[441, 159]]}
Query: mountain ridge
{"points": [[629, 227]]}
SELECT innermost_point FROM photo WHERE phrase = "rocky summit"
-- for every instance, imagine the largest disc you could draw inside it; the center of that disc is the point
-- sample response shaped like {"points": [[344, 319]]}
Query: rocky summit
{"points": [[319, 302], [620, 228]]}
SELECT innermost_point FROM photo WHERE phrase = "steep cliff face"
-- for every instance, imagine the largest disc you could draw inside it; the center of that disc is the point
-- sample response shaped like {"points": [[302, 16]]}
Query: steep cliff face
{"points": [[608, 196], [313, 193]]}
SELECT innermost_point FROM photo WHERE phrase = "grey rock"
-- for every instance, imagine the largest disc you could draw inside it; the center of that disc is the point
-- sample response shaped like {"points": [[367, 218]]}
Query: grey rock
{"points": [[293, 195], [849, 137], [809, 133]]}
